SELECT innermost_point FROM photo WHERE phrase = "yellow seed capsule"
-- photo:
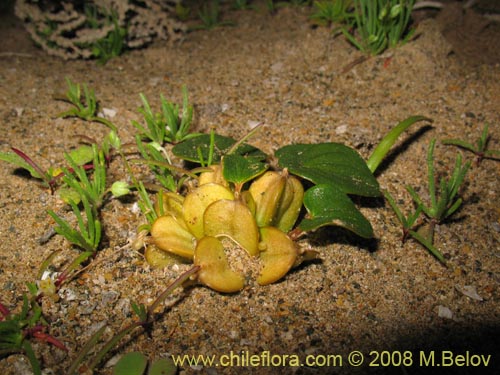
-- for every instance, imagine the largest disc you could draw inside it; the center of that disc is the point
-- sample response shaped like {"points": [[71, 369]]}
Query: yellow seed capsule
{"points": [[157, 258], [170, 234], [232, 218], [290, 205], [171, 204], [196, 203], [266, 192], [215, 271], [278, 255], [215, 176]]}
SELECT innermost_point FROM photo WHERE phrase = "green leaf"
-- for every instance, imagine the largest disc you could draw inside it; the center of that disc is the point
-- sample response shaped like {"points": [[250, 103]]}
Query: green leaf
{"points": [[164, 366], [188, 150], [133, 363], [327, 205], [330, 163], [17, 160], [428, 245], [69, 195], [389, 139], [239, 169], [11, 335]]}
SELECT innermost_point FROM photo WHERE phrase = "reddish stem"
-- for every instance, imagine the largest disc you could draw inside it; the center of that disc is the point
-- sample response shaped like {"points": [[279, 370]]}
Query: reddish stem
{"points": [[4, 311], [37, 332]]}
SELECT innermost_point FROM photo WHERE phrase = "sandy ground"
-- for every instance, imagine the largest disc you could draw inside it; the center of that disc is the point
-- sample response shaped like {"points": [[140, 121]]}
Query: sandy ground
{"points": [[369, 296]]}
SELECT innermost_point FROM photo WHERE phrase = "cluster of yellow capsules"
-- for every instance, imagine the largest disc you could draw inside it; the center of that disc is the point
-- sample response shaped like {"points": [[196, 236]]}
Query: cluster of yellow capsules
{"points": [[256, 219]]}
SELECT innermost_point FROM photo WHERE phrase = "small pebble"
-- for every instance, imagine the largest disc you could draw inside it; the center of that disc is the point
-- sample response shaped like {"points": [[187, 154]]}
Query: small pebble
{"points": [[444, 312], [109, 112]]}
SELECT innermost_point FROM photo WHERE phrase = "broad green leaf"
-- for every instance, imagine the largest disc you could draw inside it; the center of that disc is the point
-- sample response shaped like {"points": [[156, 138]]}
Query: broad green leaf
{"points": [[330, 163], [133, 363], [327, 205], [239, 169], [15, 159], [69, 195], [82, 155], [188, 150], [164, 366]]}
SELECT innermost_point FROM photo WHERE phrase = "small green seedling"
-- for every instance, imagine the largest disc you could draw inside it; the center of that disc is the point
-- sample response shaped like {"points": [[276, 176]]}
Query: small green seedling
{"points": [[380, 24], [242, 5], [329, 12], [82, 156], [85, 107], [170, 125], [409, 223], [112, 45], [443, 203], [480, 149], [210, 17], [146, 316], [89, 193], [16, 330], [388, 141], [21, 160]]}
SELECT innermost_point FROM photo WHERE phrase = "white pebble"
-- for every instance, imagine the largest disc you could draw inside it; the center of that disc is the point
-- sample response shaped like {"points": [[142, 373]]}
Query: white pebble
{"points": [[444, 312]]}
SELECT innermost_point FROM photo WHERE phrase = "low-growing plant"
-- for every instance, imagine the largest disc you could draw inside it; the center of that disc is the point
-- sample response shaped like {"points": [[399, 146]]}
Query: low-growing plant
{"points": [[17, 330], [50, 178], [239, 200], [479, 149], [444, 202], [113, 44], [329, 12], [380, 24], [146, 317], [236, 198], [210, 17], [85, 104], [242, 4], [171, 125], [410, 223]]}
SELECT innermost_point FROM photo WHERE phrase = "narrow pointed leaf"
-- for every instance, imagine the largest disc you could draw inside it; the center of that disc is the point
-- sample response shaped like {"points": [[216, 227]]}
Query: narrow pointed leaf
{"points": [[188, 150]]}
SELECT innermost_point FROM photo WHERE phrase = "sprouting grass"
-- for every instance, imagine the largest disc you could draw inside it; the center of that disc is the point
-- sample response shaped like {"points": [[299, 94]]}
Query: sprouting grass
{"points": [[90, 192], [84, 104], [329, 12], [112, 45], [479, 149], [409, 224], [380, 24], [171, 125], [17, 330], [210, 17], [444, 202]]}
